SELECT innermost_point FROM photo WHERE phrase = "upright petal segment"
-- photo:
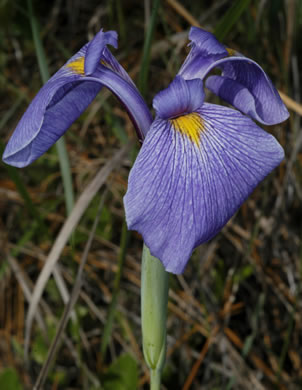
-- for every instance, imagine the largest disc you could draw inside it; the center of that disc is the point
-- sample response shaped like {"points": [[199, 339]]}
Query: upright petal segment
{"points": [[205, 50], [96, 48], [168, 103], [242, 83], [183, 189]]}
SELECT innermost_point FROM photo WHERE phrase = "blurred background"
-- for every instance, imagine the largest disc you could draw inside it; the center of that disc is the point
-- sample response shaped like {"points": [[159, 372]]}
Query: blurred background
{"points": [[235, 315]]}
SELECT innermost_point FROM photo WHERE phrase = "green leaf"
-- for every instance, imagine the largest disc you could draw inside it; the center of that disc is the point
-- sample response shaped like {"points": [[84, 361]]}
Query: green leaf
{"points": [[122, 374], [40, 346], [143, 75], [243, 273], [230, 18], [9, 380]]}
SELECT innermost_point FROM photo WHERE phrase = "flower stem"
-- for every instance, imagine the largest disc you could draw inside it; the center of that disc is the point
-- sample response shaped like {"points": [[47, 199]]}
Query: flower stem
{"points": [[154, 302], [155, 379]]}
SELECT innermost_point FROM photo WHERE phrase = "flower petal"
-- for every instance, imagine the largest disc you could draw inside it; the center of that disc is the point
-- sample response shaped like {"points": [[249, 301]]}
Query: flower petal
{"points": [[56, 106], [109, 61], [96, 47], [244, 84], [63, 99], [182, 190], [181, 97], [129, 96], [205, 49], [242, 78]]}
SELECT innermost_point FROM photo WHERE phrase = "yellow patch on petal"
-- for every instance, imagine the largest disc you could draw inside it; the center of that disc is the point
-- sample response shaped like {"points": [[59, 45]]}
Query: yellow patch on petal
{"points": [[77, 66], [190, 125]]}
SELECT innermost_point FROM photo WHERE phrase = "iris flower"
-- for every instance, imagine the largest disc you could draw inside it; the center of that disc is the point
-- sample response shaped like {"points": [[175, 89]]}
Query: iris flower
{"points": [[198, 161]]}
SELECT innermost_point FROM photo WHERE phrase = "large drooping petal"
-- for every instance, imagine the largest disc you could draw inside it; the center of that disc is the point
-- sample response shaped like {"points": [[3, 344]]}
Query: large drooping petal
{"points": [[205, 49], [183, 189], [56, 106], [67, 94], [243, 83]]}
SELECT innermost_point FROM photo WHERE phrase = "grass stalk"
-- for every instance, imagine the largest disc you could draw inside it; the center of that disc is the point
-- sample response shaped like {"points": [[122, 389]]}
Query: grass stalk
{"points": [[60, 145], [230, 18], [143, 75]]}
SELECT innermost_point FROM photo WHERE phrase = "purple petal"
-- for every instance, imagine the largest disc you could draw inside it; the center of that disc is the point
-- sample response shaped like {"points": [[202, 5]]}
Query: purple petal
{"points": [[179, 98], [129, 96], [205, 49], [56, 106], [244, 84], [63, 99], [182, 190], [109, 61], [96, 47]]}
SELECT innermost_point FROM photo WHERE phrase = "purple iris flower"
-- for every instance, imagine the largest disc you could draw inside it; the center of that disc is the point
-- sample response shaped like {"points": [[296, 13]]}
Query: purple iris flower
{"points": [[198, 162]]}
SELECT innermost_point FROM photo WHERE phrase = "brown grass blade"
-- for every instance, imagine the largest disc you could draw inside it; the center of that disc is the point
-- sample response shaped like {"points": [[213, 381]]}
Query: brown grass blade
{"points": [[66, 230]]}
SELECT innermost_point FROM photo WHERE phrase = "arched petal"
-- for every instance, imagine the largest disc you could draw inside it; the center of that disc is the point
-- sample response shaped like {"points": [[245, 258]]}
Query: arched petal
{"points": [[183, 190], [111, 62], [63, 99], [56, 106], [205, 49], [241, 77], [244, 84], [129, 96], [181, 97]]}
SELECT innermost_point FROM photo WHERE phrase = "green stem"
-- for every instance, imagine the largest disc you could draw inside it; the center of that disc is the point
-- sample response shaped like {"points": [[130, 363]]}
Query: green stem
{"points": [[66, 173], [155, 379], [154, 302]]}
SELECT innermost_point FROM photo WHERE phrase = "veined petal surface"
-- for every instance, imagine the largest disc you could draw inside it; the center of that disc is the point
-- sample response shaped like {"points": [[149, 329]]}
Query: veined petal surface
{"points": [[66, 95], [182, 189], [56, 106], [245, 85]]}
